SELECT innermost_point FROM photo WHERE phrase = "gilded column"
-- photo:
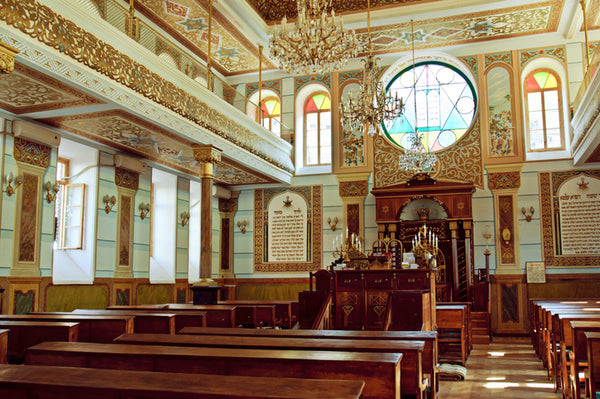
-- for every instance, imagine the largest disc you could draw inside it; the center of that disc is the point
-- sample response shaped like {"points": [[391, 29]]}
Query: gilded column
{"points": [[468, 227], [353, 188], [454, 235], [208, 156], [227, 210], [504, 182]]}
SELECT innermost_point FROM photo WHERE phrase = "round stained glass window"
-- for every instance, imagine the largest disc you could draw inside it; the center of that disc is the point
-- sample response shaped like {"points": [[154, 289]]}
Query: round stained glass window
{"points": [[439, 104]]}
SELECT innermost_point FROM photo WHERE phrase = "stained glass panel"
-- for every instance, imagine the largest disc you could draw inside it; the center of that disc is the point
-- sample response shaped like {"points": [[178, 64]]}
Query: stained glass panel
{"points": [[439, 101]]}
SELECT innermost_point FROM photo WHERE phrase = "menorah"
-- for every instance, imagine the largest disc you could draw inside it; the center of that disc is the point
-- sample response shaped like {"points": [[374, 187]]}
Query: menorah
{"points": [[425, 247]]}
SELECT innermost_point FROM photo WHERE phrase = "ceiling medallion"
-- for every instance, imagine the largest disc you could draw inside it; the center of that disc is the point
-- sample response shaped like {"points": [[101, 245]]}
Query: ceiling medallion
{"points": [[317, 45], [368, 108]]}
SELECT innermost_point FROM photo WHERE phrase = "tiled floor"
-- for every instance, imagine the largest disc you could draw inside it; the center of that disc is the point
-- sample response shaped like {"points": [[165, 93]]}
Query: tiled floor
{"points": [[506, 368]]}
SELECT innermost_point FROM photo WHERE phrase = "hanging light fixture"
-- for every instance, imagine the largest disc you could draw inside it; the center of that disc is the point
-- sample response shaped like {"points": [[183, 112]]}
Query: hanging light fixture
{"points": [[416, 157], [317, 45], [368, 108]]}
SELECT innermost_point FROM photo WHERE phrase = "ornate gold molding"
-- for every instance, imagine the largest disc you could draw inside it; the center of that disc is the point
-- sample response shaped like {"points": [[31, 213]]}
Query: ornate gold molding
{"points": [[7, 58], [45, 25]]}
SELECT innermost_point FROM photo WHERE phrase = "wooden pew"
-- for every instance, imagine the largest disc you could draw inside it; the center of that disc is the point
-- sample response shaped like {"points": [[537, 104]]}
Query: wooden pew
{"points": [[379, 371], [99, 328], [24, 334], [216, 315], [411, 368], [143, 322], [562, 327], [45, 382], [3, 346], [593, 355], [453, 331], [284, 316], [430, 354], [579, 352]]}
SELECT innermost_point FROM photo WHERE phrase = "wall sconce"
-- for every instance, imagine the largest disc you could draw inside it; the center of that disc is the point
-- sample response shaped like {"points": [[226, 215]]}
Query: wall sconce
{"points": [[333, 223], [9, 179], [109, 203], [241, 224], [185, 218], [51, 190], [144, 210], [527, 213]]}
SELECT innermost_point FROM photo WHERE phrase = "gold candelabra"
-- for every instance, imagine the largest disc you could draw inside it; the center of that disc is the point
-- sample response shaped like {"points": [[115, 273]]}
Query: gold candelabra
{"points": [[425, 247]]}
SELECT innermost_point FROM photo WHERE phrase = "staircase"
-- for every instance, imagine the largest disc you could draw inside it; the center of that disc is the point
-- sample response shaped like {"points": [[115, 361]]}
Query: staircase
{"points": [[480, 327]]}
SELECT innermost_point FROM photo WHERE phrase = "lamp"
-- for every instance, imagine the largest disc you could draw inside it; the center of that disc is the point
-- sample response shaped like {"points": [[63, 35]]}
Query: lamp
{"points": [[144, 210], [528, 213], [416, 157], [109, 202], [318, 44], [333, 223], [370, 107], [241, 224], [185, 218], [51, 190], [487, 235], [9, 179]]}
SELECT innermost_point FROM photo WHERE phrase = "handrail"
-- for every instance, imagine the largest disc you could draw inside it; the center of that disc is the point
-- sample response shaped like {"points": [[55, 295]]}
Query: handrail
{"points": [[323, 319], [587, 80]]}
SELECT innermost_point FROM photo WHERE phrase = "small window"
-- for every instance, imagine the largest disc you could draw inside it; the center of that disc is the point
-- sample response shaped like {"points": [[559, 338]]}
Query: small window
{"points": [[71, 232], [271, 114], [544, 111], [317, 130]]}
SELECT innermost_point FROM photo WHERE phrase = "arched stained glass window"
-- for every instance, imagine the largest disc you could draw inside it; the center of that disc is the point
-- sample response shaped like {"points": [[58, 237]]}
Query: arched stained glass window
{"points": [[440, 104], [544, 111], [271, 114], [317, 130]]}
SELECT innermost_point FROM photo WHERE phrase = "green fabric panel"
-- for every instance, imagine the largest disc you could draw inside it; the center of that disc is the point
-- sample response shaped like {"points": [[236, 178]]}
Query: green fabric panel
{"points": [[270, 292], [154, 293], [24, 302], [66, 298]]}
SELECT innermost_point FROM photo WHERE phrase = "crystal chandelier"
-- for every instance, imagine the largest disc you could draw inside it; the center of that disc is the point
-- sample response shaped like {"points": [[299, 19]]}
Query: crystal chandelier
{"points": [[416, 157], [368, 108], [317, 45]]}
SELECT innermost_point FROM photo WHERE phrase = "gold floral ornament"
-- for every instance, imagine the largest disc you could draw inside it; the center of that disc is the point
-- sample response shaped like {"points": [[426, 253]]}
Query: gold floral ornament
{"points": [[7, 58]]}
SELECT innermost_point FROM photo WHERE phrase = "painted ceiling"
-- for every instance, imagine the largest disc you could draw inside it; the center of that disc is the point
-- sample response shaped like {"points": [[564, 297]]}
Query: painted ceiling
{"points": [[232, 53]]}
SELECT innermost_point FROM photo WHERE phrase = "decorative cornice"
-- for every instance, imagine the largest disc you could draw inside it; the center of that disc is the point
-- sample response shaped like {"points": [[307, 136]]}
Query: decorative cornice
{"points": [[504, 180], [353, 189], [7, 58], [42, 23], [31, 153], [126, 178]]}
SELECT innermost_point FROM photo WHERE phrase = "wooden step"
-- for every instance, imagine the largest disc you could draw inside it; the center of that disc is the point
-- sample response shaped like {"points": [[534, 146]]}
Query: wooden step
{"points": [[481, 339]]}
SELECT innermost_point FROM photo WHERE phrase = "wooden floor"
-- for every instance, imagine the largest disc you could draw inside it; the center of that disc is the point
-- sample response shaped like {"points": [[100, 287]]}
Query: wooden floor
{"points": [[506, 368]]}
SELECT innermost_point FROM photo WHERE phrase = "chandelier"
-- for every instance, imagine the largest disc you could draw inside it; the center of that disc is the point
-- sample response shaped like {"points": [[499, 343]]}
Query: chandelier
{"points": [[318, 44], [416, 157], [368, 108]]}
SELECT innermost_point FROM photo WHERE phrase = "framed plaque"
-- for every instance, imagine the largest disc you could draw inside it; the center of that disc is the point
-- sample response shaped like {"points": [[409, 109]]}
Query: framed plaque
{"points": [[536, 272]]}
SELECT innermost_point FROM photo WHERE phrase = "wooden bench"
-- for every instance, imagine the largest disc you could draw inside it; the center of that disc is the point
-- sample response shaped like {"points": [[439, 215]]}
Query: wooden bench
{"points": [[579, 353], [430, 356], [216, 315], [99, 328], [379, 371], [24, 334], [143, 322], [3, 346], [412, 383], [284, 316], [44, 382], [452, 330], [593, 356]]}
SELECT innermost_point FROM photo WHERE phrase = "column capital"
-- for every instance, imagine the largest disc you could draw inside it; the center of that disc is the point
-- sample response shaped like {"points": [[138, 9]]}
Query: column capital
{"points": [[7, 58], [206, 153]]}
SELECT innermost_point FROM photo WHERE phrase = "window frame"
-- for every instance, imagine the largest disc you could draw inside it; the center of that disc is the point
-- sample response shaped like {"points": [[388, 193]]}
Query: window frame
{"points": [[261, 118], [559, 92], [305, 124], [63, 226]]}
